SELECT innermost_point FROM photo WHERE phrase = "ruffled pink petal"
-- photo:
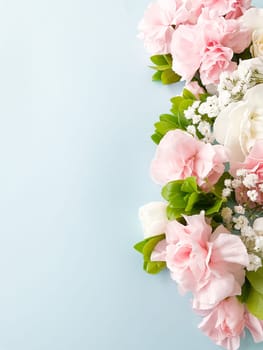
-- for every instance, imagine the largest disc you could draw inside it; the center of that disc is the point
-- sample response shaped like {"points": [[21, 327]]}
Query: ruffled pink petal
{"points": [[255, 327]]}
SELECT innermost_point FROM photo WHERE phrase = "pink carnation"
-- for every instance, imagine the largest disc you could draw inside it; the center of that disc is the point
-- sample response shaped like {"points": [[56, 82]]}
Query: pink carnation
{"points": [[238, 8], [195, 89], [216, 59], [254, 165], [187, 49], [230, 8], [160, 19], [225, 324], [209, 45], [210, 265], [179, 155]]}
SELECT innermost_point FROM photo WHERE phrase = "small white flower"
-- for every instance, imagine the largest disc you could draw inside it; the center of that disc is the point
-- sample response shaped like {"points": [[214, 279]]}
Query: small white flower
{"points": [[228, 183], [259, 243], [250, 180], [236, 183], [226, 192], [196, 118], [260, 187], [258, 226], [252, 195], [191, 129], [254, 262], [242, 172], [247, 231], [239, 209], [227, 214], [189, 113], [196, 104], [204, 128], [202, 108], [240, 222]]}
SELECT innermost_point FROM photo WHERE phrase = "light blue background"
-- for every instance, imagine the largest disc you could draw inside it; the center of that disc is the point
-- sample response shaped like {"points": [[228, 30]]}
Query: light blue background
{"points": [[76, 109]]}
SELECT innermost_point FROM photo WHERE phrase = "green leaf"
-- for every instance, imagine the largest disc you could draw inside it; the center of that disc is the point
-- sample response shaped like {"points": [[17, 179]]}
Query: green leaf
{"points": [[159, 60], [177, 100], [188, 95], [170, 77], [150, 245], [189, 185], [171, 188], [172, 213], [216, 207], [254, 303], [256, 279], [157, 76], [156, 137], [154, 267], [146, 247], [245, 292], [160, 68], [220, 185], [192, 199], [169, 59], [140, 245]]}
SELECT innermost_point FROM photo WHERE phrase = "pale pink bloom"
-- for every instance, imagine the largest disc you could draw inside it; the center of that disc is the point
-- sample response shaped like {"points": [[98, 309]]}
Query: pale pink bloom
{"points": [[255, 326], [225, 323], [254, 164], [253, 161], [235, 36], [238, 8], [187, 48], [216, 59], [230, 8], [179, 155], [209, 45], [229, 33], [160, 19], [195, 89], [219, 7], [210, 265], [159, 252]]}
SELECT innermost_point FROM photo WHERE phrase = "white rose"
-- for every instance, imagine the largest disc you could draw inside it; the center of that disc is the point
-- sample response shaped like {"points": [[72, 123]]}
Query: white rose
{"points": [[253, 64], [240, 124], [257, 43], [153, 218], [253, 19], [258, 226]]}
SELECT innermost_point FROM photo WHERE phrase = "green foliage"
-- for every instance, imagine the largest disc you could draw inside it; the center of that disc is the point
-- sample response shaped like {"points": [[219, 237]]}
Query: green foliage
{"points": [[254, 303], [163, 67], [252, 292], [256, 279], [245, 292], [245, 55], [146, 248], [185, 197], [175, 120]]}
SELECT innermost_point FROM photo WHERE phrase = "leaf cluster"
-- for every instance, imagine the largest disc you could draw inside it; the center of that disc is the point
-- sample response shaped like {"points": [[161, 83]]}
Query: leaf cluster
{"points": [[146, 248], [252, 292], [185, 197], [175, 120], [163, 67]]}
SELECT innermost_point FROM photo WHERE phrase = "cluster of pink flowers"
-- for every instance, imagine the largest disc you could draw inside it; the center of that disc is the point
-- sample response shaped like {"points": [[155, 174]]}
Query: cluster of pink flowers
{"points": [[209, 159], [201, 35], [179, 155], [211, 266]]}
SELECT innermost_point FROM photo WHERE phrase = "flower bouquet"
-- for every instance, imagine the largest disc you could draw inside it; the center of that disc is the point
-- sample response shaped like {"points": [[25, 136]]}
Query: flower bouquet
{"points": [[208, 231]]}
